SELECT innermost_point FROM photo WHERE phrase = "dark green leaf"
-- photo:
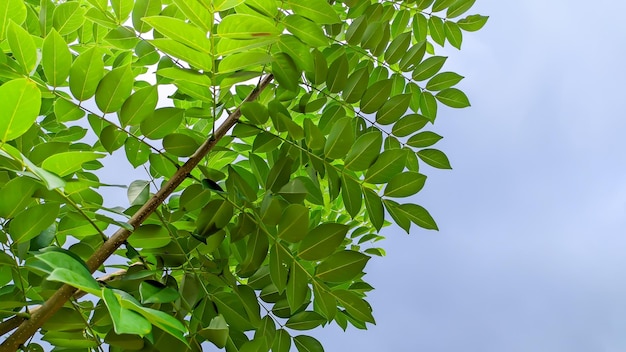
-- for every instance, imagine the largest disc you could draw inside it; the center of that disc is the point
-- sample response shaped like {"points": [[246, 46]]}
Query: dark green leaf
{"points": [[434, 158], [409, 124], [405, 184], [428, 67], [453, 97], [322, 241], [307, 344], [342, 266], [424, 139], [364, 151], [340, 139], [388, 164], [443, 80]]}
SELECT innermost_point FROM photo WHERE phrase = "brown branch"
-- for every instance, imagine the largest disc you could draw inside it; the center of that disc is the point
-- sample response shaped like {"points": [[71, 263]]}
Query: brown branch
{"points": [[16, 320], [28, 327]]}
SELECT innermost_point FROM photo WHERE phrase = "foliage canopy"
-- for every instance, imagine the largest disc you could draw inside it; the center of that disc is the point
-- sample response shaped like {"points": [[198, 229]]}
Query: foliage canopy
{"points": [[281, 137]]}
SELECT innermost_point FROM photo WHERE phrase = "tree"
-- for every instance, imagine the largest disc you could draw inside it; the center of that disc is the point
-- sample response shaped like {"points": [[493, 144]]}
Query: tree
{"points": [[292, 132]]}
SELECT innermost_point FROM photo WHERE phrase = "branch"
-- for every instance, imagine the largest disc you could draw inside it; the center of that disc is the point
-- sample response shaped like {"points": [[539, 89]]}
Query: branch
{"points": [[54, 303]]}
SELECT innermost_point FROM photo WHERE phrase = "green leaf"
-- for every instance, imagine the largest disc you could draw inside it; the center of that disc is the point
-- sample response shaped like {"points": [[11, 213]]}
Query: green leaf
{"points": [[436, 30], [434, 158], [22, 47], [68, 17], [125, 321], [239, 61], [408, 125], [114, 89], [472, 23], [32, 221], [196, 13], [19, 107], [213, 217], [364, 151], [216, 332], [428, 106], [122, 9], [424, 139], [282, 341], [443, 80], [152, 291], [418, 215], [459, 8], [112, 138], [355, 305], [194, 57], [351, 195], [307, 344], [294, 223], [279, 174], [181, 32], [337, 74], [340, 139], [180, 144], [297, 286], [86, 72], [322, 241], [221, 5], [279, 266], [341, 267], [356, 85], [413, 56], [318, 11], [266, 7], [393, 109], [138, 192], [441, 5], [150, 236], [374, 207], [453, 98], [405, 184], [255, 112], [67, 163], [399, 217], [163, 122], [285, 72], [66, 111], [306, 320], [398, 47], [453, 34], [247, 26], [307, 31], [428, 67], [11, 10], [69, 269], [420, 27], [375, 96], [388, 164], [139, 106], [16, 195]]}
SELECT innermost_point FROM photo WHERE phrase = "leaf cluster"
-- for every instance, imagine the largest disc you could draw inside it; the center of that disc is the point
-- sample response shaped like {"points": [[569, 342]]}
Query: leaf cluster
{"points": [[269, 233]]}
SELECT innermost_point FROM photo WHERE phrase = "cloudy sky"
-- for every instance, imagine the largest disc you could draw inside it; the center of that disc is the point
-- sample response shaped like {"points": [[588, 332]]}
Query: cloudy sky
{"points": [[531, 252], [531, 255]]}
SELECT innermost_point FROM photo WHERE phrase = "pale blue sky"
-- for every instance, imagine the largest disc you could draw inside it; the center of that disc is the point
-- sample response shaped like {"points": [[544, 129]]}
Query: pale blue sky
{"points": [[531, 251]]}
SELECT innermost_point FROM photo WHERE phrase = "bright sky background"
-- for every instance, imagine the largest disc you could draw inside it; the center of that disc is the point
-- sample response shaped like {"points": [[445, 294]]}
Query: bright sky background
{"points": [[531, 252], [531, 255]]}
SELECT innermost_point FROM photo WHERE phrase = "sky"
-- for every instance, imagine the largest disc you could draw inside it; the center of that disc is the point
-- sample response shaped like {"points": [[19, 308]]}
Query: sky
{"points": [[530, 252], [530, 255]]}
